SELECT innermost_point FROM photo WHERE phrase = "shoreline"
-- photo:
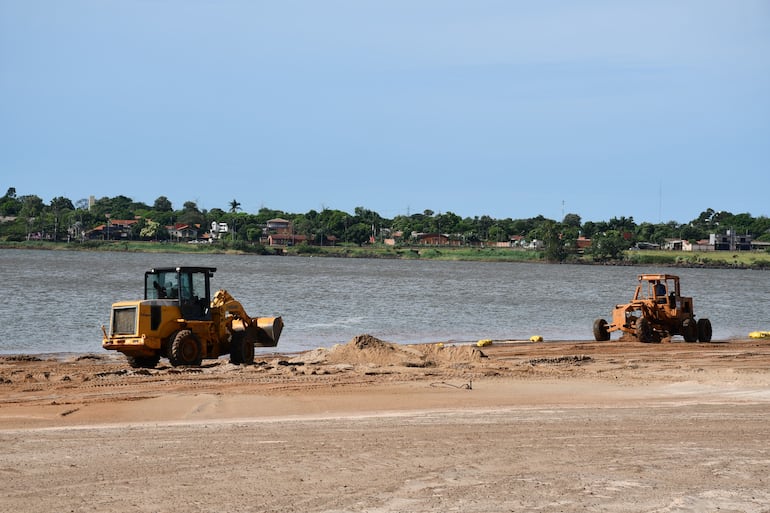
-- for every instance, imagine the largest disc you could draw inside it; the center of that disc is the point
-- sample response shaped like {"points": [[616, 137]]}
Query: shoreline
{"points": [[100, 355], [669, 259]]}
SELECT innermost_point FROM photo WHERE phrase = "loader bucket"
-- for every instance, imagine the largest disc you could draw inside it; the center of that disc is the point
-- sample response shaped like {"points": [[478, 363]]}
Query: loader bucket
{"points": [[269, 331]]}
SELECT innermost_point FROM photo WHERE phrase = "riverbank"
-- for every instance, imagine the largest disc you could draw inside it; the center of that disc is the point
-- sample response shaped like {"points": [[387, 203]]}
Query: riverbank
{"points": [[713, 259], [369, 426]]}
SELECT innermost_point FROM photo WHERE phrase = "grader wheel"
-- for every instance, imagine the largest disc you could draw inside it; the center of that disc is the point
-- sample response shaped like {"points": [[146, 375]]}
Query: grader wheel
{"points": [[704, 330], [601, 333], [644, 331], [690, 330]]}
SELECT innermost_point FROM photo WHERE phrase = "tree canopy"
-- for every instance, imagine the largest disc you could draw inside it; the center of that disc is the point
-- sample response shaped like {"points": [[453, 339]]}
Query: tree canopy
{"points": [[61, 218]]}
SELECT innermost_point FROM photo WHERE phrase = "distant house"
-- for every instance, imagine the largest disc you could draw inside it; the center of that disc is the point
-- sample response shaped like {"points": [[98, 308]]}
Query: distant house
{"points": [[677, 245], [115, 229], [285, 239], [432, 239], [582, 243], [182, 232], [730, 241], [279, 225], [702, 245], [218, 230], [535, 244], [394, 238]]}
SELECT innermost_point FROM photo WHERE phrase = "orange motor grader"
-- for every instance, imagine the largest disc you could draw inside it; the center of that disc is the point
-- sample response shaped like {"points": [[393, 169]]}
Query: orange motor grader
{"points": [[179, 320], [658, 310]]}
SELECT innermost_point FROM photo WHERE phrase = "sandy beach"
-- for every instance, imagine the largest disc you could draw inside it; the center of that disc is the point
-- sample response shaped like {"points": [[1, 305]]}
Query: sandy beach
{"points": [[377, 427]]}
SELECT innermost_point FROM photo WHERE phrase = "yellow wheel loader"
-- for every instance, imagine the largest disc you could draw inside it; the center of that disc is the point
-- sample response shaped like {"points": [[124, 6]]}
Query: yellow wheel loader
{"points": [[178, 319], [657, 310]]}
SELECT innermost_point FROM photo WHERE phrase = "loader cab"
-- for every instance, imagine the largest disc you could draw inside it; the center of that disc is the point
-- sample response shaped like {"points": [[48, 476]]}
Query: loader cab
{"points": [[189, 287]]}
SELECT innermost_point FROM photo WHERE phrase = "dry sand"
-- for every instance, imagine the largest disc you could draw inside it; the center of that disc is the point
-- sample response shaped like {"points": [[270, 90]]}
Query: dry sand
{"points": [[376, 427]]}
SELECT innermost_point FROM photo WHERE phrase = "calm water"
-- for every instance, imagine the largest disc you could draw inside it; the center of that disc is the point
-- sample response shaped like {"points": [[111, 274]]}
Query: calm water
{"points": [[56, 301]]}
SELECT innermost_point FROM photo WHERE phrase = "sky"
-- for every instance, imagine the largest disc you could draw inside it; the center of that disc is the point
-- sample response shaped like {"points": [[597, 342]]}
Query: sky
{"points": [[655, 110]]}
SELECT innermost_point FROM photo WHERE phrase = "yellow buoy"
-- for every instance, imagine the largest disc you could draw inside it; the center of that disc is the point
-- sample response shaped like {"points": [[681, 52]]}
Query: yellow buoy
{"points": [[759, 334], [484, 342], [535, 338]]}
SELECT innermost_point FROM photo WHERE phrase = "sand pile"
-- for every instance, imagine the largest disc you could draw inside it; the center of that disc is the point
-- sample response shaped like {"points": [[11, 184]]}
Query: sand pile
{"points": [[449, 355], [366, 349], [369, 350]]}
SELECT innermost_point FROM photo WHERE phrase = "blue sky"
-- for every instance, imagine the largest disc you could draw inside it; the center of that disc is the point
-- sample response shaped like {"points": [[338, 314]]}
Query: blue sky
{"points": [[652, 109]]}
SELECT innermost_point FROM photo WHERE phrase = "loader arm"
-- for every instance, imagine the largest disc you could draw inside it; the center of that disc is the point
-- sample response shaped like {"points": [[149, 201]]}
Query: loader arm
{"points": [[223, 299], [266, 330]]}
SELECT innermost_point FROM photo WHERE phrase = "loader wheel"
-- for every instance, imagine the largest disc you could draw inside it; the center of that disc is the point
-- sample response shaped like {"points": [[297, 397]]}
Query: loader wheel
{"points": [[242, 347], [704, 330], [185, 350], [143, 362], [690, 330], [601, 333], [644, 331]]}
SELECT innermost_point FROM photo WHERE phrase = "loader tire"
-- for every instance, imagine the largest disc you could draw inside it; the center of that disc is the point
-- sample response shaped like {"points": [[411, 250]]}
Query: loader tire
{"points": [[143, 362], [704, 330], [644, 331], [242, 348], [185, 349], [690, 330], [601, 333]]}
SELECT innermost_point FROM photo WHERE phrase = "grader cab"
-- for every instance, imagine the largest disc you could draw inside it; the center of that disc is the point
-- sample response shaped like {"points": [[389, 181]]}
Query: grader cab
{"points": [[657, 310], [178, 319]]}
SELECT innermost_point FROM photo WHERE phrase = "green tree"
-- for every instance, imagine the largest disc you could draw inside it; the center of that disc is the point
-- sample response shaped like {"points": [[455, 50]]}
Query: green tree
{"points": [[190, 214], [154, 231], [60, 207], [359, 233], [333, 222], [555, 248], [496, 234], [572, 220], [609, 245], [10, 205], [367, 216], [691, 233], [265, 214], [162, 204], [760, 228], [31, 212], [235, 206], [448, 222], [253, 232]]}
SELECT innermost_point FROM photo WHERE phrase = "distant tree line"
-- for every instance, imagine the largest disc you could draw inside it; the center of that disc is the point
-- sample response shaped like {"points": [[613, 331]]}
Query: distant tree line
{"points": [[61, 220]]}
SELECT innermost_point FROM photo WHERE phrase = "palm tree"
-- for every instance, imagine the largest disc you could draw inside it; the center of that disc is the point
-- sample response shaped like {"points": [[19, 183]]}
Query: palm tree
{"points": [[235, 206]]}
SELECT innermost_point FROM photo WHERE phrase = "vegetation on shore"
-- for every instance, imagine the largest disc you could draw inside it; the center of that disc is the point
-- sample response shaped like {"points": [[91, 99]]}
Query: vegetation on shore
{"points": [[710, 259], [28, 222]]}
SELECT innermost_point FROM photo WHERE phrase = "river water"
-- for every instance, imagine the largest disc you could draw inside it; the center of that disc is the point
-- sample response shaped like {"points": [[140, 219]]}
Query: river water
{"points": [[57, 301]]}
